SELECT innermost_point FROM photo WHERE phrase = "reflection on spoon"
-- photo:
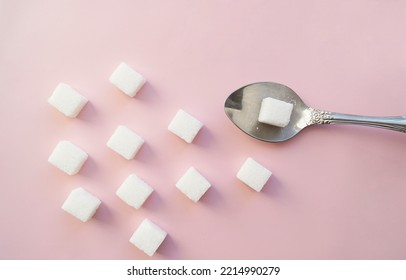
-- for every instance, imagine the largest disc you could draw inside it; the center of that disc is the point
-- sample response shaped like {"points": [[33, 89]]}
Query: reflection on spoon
{"points": [[243, 106]]}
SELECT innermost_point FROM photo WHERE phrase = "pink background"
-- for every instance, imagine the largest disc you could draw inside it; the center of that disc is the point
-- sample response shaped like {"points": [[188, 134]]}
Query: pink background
{"points": [[338, 192]]}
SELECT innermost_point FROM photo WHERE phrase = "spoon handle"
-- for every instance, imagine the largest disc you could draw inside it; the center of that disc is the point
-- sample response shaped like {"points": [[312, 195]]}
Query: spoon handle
{"points": [[397, 123]]}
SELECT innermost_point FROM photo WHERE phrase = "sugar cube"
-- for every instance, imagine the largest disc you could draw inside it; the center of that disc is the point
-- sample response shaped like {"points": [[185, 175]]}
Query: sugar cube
{"points": [[127, 79], [275, 112], [193, 184], [148, 237], [254, 174], [185, 126], [81, 204], [125, 142], [134, 191], [68, 157], [67, 100]]}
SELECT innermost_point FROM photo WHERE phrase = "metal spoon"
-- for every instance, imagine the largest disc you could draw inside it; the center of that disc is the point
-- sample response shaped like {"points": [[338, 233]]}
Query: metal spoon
{"points": [[243, 106]]}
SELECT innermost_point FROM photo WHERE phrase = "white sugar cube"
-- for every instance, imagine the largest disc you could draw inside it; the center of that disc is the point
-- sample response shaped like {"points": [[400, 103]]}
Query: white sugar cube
{"points": [[193, 184], [125, 142], [81, 204], [134, 191], [275, 112], [185, 126], [148, 237], [127, 79], [68, 157], [67, 100], [253, 174]]}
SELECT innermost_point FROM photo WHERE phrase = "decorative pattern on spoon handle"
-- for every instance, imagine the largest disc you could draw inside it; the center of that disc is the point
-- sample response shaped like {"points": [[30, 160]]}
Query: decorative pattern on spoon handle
{"points": [[320, 117], [397, 123]]}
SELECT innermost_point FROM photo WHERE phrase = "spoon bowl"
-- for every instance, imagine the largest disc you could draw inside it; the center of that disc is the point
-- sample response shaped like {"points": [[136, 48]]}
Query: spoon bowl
{"points": [[243, 106]]}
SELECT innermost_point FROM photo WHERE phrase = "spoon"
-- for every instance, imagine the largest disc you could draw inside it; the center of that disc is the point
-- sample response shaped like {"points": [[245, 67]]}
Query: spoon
{"points": [[243, 106]]}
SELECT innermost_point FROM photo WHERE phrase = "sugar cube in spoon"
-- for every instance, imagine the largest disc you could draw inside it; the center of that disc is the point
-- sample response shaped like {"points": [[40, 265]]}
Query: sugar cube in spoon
{"points": [[275, 112]]}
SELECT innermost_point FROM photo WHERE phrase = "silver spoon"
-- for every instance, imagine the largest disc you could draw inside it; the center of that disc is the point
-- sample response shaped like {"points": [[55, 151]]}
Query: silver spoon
{"points": [[243, 106]]}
